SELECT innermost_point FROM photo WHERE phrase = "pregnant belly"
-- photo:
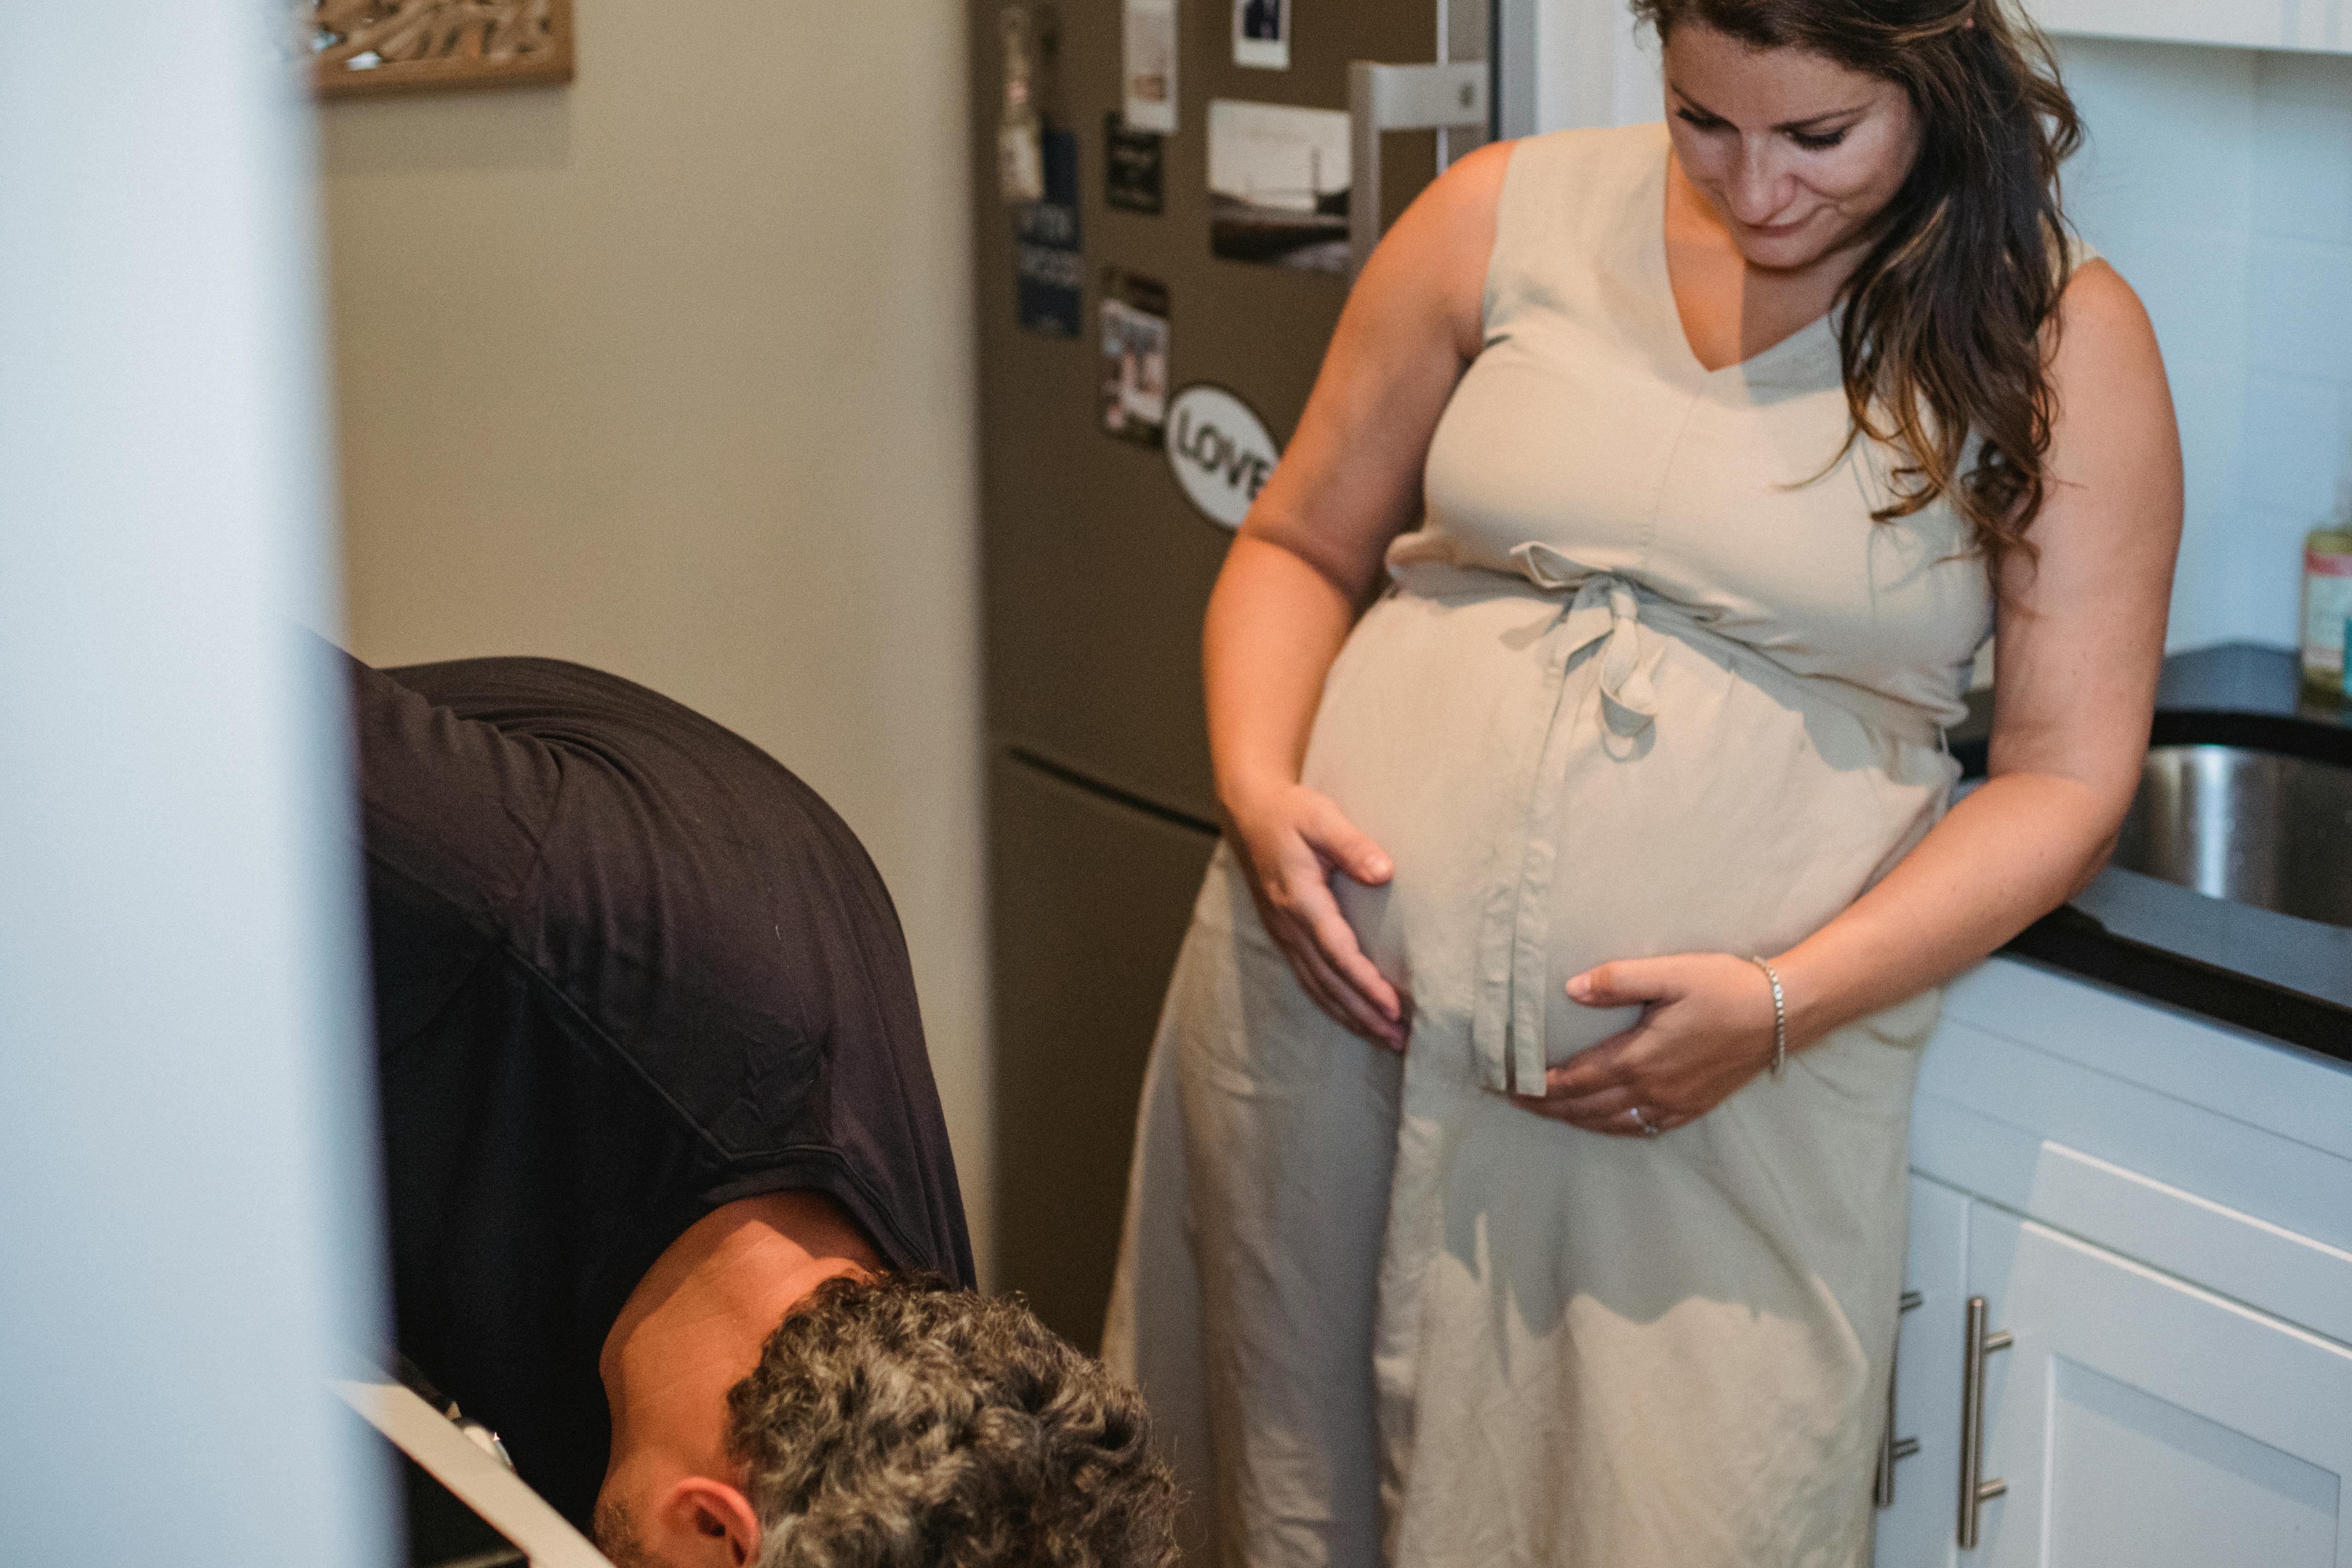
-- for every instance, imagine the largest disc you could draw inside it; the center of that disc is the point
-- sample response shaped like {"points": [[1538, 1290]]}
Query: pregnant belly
{"points": [[1532, 842]]}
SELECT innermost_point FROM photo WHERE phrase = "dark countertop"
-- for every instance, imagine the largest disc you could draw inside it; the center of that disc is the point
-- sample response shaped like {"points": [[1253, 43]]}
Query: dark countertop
{"points": [[2288, 978]]}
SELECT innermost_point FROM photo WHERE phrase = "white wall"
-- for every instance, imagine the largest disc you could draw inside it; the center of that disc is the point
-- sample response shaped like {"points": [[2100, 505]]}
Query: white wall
{"points": [[669, 372], [2218, 181], [1577, 63]]}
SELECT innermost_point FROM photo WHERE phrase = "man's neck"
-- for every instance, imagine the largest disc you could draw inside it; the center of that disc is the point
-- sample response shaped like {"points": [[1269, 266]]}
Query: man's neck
{"points": [[693, 1325]]}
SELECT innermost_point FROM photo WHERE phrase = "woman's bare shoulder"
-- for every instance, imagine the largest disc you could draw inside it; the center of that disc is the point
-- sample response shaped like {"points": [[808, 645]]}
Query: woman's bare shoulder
{"points": [[2113, 463], [2102, 320], [1438, 252], [1459, 210], [1477, 175]]}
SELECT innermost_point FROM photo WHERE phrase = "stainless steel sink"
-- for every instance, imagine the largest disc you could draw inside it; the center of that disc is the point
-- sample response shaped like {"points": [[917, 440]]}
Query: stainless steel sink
{"points": [[2252, 827]]}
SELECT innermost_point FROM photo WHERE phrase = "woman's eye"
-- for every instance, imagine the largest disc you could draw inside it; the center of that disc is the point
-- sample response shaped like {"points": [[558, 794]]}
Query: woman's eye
{"points": [[1818, 144], [1704, 121]]}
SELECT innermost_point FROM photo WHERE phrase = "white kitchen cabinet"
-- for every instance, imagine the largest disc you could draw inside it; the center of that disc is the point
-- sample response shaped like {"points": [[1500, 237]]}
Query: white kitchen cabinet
{"points": [[2157, 1210], [2136, 1419], [2129, 1417], [2240, 23]]}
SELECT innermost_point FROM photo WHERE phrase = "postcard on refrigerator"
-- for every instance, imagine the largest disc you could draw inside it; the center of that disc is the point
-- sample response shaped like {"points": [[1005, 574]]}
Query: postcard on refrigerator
{"points": [[1151, 66], [1262, 34], [1278, 185], [1048, 262], [1134, 356], [1135, 164]]}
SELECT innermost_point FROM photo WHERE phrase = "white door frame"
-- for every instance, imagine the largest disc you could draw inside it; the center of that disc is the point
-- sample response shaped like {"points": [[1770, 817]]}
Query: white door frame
{"points": [[185, 1124]]}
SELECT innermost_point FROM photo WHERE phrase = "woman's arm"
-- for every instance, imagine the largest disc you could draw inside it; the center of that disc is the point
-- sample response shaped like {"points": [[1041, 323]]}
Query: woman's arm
{"points": [[1307, 559], [2081, 641], [2076, 687]]}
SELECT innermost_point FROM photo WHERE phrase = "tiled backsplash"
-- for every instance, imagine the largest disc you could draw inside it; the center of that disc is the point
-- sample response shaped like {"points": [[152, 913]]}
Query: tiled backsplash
{"points": [[2218, 181]]}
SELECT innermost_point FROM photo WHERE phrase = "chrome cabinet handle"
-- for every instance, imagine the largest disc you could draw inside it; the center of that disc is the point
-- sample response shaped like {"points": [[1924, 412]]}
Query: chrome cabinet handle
{"points": [[1890, 1446], [1975, 1490], [1399, 97]]}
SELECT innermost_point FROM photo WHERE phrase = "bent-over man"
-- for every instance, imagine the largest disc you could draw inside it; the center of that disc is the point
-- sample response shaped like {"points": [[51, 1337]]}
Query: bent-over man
{"points": [[670, 1200]]}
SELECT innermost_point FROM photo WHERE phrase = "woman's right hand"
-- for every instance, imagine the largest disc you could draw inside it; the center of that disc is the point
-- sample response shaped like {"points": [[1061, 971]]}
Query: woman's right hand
{"points": [[1291, 838], [1308, 560]]}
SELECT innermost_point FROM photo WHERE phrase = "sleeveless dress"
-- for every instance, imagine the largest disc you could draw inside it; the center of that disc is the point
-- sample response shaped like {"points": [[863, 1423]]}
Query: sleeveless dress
{"points": [[1650, 680]]}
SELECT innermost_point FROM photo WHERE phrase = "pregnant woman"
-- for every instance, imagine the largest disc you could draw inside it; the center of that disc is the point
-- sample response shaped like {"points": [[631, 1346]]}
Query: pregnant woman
{"points": [[1522, 1177]]}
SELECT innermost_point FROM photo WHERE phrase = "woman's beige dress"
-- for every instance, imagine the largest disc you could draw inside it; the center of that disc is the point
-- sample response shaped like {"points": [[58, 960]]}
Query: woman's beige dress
{"points": [[1650, 681]]}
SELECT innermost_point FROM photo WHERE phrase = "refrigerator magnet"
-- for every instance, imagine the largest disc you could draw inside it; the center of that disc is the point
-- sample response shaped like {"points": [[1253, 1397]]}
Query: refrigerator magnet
{"points": [[1262, 34], [1149, 66], [1049, 273], [1134, 164], [1278, 180], [1134, 357], [1220, 451]]}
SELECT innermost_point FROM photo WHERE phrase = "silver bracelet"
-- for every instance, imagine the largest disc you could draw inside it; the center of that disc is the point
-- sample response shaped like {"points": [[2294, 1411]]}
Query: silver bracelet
{"points": [[1780, 1016]]}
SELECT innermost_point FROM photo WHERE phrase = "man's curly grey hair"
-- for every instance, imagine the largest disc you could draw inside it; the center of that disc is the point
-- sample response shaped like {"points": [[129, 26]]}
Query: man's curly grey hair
{"points": [[901, 1423]]}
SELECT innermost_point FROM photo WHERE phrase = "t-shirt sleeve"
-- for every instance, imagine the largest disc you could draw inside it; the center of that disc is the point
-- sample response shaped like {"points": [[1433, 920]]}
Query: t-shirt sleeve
{"points": [[452, 812]]}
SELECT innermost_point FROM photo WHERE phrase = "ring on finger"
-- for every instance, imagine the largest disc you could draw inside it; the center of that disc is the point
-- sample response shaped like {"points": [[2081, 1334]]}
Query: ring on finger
{"points": [[1649, 1129]]}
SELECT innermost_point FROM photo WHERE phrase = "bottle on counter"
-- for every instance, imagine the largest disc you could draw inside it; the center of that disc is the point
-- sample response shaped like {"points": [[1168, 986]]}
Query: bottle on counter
{"points": [[2326, 607]]}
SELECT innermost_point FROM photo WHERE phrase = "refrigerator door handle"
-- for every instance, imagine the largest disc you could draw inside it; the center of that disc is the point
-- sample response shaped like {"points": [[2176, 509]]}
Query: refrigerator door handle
{"points": [[1400, 97]]}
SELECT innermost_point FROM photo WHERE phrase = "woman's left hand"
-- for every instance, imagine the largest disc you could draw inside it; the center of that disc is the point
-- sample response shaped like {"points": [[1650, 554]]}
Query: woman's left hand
{"points": [[1705, 1029]]}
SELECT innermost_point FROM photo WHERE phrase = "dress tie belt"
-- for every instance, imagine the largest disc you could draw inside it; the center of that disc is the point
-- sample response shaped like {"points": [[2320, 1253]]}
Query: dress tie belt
{"points": [[1507, 1026], [1603, 607]]}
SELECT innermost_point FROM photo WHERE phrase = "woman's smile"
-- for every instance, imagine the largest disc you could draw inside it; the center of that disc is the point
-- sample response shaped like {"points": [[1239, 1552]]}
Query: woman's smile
{"points": [[1777, 231]]}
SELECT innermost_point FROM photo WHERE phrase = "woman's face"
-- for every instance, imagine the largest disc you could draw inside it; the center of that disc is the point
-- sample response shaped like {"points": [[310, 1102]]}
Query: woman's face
{"points": [[1795, 153]]}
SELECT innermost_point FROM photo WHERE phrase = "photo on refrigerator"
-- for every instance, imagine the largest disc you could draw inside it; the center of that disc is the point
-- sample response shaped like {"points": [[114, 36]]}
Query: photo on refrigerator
{"points": [[1134, 357], [1278, 180], [1262, 34], [1149, 66]]}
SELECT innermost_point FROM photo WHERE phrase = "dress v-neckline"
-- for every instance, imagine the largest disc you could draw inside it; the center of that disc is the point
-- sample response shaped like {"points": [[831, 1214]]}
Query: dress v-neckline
{"points": [[1663, 268]]}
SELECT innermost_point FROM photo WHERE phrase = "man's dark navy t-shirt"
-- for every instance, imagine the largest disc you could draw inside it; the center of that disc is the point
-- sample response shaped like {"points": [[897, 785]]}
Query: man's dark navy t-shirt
{"points": [[627, 968]]}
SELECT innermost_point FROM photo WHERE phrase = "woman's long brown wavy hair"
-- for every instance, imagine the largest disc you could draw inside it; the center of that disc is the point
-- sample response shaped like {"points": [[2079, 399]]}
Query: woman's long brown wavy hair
{"points": [[1948, 317]]}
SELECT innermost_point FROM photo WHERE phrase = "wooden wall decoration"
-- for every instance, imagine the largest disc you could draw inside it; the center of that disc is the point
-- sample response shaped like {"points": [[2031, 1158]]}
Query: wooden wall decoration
{"points": [[360, 46]]}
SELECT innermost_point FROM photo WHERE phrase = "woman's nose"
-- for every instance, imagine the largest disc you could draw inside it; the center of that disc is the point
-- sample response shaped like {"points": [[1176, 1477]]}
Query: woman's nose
{"points": [[1759, 186]]}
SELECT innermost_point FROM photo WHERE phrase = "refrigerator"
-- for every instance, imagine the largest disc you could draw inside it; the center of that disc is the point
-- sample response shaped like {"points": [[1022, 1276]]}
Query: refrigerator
{"points": [[1146, 345]]}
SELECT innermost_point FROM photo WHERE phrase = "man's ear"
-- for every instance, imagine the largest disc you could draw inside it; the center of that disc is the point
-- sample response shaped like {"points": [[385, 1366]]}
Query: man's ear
{"points": [[708, 1523]]}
